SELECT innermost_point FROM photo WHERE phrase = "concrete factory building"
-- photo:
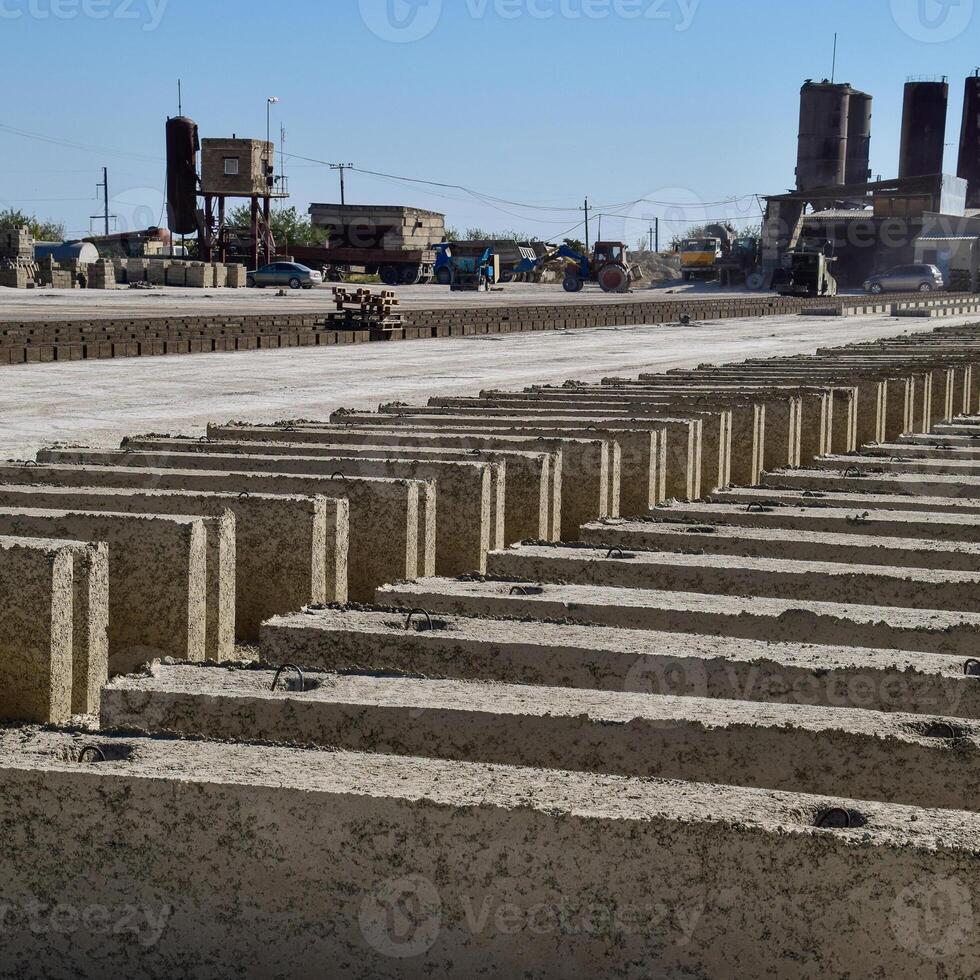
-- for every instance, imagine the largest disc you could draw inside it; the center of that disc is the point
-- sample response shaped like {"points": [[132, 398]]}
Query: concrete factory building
{"points": [[871, 226]]}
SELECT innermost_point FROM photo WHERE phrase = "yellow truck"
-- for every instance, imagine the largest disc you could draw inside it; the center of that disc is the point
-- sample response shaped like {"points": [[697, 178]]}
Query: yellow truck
{"points": [[700, 258]]}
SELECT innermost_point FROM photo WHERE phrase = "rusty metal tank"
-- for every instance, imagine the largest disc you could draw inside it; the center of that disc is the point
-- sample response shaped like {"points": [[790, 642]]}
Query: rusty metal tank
{"points": [[969, 162], [924, 128], [822, 154], [858, 167], [183, 145]]}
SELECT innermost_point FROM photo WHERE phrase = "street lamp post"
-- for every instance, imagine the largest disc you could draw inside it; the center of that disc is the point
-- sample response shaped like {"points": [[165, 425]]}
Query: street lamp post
{"points": [[269, 103]]}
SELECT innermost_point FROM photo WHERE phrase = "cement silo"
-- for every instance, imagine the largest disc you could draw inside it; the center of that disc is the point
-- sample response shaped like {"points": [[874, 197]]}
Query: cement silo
{"points": [[924, 128], [858, 138], [822, 154], [182, 148], [969, 163]]}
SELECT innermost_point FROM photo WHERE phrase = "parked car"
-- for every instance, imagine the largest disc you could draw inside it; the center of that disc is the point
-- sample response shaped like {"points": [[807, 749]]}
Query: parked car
{"points": [[906, 279], [290, 274]]}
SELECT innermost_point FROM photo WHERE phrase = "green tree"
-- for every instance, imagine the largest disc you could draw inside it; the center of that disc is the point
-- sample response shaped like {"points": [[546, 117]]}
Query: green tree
{"points": [[576, 245], [43, 231], [288, 226]]}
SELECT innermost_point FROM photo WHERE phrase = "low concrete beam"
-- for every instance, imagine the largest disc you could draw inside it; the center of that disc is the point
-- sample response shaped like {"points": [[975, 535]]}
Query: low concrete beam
{"points": [[751, 618], [683, 879], [739, 575], [911, 484], [866, 755], [609, 659], [786, 544]]}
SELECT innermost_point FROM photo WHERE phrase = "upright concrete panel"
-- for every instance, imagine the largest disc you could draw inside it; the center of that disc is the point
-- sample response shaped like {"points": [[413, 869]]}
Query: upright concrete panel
{"points": [[290, 550], [157, 578], [384, 515], [36, 604]]}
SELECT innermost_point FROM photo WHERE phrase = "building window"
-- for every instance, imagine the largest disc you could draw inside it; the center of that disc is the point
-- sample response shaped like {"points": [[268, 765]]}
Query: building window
{"points": [[231, 166]]}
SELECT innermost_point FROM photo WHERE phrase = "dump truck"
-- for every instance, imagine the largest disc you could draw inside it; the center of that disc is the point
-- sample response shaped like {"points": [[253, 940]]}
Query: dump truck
{"points": [[393, 242]]}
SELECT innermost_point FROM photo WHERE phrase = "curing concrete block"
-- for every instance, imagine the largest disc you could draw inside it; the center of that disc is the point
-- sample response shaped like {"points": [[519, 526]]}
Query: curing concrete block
{"points": [[289, 550], [750, 617], [158, 585], [471, 494], [692, 537], [37, 598], [555, 450], [730, 575], [610, 659], [520, 486], [640, 445], [591, 467], [867, 755], [519, 872], [384, 515]]}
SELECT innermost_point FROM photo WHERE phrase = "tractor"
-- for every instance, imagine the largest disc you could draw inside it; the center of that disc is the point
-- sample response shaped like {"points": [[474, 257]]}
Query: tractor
{"points": [[608, 266]]}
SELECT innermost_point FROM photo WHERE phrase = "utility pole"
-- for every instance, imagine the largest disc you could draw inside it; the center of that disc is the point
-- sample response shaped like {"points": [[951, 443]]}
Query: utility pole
{"points": [[656, 225], [105, 216], [833, 71], [587, 226], [342, 167], [651, 238]]}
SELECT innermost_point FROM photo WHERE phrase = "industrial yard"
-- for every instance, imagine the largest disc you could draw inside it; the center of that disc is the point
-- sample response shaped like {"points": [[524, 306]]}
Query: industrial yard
{"points": [[386, 592]]}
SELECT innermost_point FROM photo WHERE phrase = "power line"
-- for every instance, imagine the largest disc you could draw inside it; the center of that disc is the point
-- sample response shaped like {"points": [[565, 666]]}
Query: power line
{"points": [[84, 147]]}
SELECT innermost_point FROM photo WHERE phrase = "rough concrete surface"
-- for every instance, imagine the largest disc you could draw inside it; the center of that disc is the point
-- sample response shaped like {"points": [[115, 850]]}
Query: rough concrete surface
{"points": [[518, 871]]}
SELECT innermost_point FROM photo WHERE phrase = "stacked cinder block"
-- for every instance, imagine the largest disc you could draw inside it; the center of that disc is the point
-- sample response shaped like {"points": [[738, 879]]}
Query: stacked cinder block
{"points": [[157, 271], [235, 276], [176, 273], [101, 275]]}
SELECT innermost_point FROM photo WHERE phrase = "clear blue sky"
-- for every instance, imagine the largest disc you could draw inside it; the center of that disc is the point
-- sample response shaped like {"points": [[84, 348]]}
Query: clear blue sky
{"points": [[537, 102]]}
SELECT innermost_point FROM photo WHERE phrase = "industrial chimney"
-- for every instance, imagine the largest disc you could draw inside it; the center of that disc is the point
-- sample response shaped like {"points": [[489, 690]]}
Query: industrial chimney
{"points": [[858, 138], [969, 163], [923, 128]]}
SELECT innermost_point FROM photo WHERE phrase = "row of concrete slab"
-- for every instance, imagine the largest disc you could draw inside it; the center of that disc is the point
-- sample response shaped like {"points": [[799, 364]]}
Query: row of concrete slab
{"points": [[674, 676]]}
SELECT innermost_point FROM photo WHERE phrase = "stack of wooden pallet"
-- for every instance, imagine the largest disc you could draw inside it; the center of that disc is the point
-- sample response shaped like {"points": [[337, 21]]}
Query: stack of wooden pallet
{"points": [[365, 310]]}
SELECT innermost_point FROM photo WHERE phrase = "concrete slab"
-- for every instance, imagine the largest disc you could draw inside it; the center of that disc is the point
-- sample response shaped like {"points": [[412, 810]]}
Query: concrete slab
{"points": [[755, 617], [282, 557], [776, 578], [843, 500], [158, 585], [698, 872], [384, 515], [610, 659], [867, 755], [37, 596]]}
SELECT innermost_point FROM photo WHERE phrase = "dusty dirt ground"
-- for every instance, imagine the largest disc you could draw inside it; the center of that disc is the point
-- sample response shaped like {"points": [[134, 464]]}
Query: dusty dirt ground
{"points": [[99, 402]]}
